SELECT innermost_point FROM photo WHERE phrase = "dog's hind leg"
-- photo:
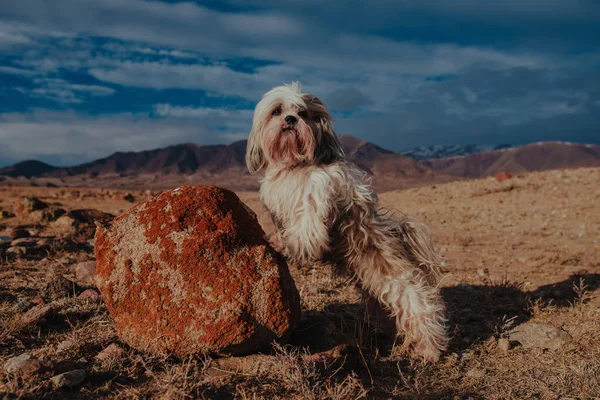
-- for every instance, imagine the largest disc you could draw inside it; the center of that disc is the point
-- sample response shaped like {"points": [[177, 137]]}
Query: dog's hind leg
{"points": [[416, 307], [390, 268]]}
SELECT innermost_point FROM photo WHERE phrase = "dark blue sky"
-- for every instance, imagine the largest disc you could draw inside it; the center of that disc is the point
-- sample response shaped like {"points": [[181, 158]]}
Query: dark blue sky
{"points": [[80, 79]]}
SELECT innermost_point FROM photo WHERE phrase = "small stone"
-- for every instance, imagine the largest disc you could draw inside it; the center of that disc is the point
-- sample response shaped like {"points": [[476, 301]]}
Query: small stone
{"points": [[89, 294], [26, 205], [476, 373], [6, 214], [69, 379], [129, 197], [33, 231], [79, 223], [18, 233], [483, 272], [65, 345], [89, 216], [84, 272], [45, 216], [502, 176], [23, 242], [18, 251], [503, 344], [328, 359], [24, 365], [541, 336], [464, 287], [36, 315], [111, 353]]}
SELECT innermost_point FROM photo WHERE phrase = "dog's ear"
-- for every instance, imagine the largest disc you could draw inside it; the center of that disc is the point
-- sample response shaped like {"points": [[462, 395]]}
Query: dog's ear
{"points": [[255, 158], [329, 149]]}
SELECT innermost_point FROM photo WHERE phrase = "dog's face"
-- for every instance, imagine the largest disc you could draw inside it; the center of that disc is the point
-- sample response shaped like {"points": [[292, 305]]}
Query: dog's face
{"points": [[291, 128]]}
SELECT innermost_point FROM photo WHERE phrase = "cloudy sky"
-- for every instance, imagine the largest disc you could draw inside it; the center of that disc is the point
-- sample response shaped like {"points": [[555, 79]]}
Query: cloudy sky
{"points": [[80, 79]]}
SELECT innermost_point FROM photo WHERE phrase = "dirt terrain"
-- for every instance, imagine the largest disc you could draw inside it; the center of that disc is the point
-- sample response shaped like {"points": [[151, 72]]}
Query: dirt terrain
{"points": [[525, 250]]}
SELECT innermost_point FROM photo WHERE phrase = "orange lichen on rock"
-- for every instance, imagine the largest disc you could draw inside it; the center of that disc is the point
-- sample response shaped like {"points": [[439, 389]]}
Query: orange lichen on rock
{"points": [[189, 271]]}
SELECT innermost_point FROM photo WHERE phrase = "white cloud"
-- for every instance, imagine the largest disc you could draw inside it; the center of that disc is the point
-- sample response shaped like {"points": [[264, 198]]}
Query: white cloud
{"points": [[168, 110], [518, 111], [390, 11], [470, 95], [185, 27], [213, 78], [17, 71], [323, 57], [8, 39], [181, 25], [236, 123], [16, 34], [77, 138], [62, 91]]}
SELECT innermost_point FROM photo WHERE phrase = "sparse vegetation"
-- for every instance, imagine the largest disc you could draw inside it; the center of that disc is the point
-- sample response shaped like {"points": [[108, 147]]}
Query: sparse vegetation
{"points": [[525, 254]]}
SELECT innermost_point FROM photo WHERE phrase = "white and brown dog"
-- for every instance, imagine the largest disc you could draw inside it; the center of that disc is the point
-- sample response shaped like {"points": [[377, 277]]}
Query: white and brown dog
{"points": [[323, 209]]}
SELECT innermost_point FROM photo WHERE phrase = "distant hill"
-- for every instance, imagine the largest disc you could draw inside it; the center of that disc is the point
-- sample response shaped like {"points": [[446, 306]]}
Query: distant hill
{"points": [[183, 159], [27, 169], [222, 165], [389, 170], [531, 157], [442, 151]]}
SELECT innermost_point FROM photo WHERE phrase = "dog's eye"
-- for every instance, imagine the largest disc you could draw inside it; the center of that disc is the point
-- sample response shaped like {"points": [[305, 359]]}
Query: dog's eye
{"points": [[277, 111], [303, 113]]}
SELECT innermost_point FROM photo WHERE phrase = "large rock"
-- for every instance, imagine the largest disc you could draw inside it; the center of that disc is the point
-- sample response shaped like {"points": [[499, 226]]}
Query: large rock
{"points": [[190, 272]]}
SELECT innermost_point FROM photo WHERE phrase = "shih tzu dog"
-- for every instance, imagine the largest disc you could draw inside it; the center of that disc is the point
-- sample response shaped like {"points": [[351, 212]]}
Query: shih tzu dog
{"points": [[323, 210]]}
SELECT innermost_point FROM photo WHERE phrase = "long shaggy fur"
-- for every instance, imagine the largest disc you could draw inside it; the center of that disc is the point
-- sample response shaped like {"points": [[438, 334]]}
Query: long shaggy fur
{"points": [[324, 209]]}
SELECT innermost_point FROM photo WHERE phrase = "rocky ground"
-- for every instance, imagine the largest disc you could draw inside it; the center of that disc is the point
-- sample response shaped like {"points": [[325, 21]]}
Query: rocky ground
{"points": [[523, 263]]}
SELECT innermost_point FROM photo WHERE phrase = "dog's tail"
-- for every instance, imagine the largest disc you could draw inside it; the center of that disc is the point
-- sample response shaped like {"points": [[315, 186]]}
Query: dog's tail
{"points": [[420, 248]]}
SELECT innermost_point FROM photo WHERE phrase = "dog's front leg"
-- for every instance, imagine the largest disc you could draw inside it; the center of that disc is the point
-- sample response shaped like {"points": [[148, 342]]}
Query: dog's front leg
{"points": [[306, 235]]}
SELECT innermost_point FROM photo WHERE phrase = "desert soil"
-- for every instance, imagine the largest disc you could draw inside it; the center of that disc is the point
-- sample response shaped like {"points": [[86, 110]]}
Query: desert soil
{"points": [[523, 250]]}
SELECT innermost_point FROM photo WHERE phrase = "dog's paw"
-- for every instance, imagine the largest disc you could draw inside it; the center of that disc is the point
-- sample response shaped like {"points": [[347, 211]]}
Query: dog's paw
{"points": [[427, 352], [276, 244]]}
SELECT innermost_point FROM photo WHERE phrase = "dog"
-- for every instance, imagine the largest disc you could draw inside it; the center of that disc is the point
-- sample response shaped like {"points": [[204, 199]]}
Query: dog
{"points": [[324, 209]]}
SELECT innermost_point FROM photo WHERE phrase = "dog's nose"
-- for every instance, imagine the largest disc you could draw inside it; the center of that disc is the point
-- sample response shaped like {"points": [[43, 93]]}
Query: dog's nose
{"points": [[290, 119]]}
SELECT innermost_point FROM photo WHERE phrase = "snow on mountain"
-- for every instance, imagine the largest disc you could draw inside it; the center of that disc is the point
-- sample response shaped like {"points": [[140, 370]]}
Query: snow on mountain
{"points": [[450, 150]]}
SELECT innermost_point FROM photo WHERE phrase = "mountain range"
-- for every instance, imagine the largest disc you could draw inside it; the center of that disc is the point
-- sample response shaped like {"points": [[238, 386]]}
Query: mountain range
{"points": [[450, 150], [224, 165], [221, 165], [530, 157]]}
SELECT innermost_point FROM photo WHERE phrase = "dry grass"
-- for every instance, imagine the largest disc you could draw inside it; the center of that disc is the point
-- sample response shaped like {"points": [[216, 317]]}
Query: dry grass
{"points": [[523, 250]]}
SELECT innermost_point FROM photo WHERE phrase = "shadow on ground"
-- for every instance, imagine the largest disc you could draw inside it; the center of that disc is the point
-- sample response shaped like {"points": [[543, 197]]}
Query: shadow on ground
{"points": [[475, 312]]}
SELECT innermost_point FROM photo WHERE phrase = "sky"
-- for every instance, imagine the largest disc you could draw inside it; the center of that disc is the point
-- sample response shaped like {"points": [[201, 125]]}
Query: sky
{"points": [[81, 79]]}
